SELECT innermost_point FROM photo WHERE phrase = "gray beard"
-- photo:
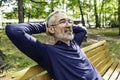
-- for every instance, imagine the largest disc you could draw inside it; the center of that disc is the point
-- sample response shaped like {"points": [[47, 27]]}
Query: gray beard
{"points": [[65, 37]]}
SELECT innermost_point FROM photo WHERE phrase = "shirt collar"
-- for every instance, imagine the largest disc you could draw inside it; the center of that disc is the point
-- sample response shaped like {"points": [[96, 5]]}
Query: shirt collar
{"points": [[62, 43]]}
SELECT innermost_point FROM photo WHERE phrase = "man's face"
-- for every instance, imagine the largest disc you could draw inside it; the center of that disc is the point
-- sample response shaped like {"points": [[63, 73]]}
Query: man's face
{"points": [[63, 27]]}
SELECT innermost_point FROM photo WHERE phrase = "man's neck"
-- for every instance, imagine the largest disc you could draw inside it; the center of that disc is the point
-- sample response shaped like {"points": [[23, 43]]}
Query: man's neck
{"points": [[64, 41]]}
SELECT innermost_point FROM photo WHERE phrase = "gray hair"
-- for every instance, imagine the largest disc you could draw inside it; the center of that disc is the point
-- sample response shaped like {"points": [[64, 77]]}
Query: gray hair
{"points": [[51, 18]]}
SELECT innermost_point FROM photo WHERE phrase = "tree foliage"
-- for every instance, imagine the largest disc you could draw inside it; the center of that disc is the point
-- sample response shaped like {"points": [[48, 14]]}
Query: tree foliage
{"points": [[2, 1], [119, 15], [99, 12]]}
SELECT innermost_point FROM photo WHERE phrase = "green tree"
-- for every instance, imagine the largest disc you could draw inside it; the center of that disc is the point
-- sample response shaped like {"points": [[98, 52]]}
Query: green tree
{"points": [[1, 1], [20, 11], [76, 7], [102, 11], [81, 11], [119, 15], [96, 14], [92, 11], [35, 9]]}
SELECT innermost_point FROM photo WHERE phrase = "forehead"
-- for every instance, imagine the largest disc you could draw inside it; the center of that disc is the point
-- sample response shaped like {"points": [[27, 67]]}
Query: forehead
{"points": [[60, 16]]}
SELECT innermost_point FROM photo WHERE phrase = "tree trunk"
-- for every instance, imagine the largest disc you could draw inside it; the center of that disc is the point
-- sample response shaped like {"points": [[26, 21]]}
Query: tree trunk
{"points": [[88, 22], [119, 15], [96, 15], [80, 7], [52, 8], [20, 11], [101, 17], [0, 3]]}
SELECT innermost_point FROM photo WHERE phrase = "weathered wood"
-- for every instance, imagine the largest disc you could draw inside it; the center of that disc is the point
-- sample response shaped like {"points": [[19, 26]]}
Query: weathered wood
{"points": [[115, 73], [98, 54], [110, 71], [28, 74]]}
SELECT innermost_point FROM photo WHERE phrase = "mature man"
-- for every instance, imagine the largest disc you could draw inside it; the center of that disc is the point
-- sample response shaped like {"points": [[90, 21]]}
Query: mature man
{"points": [[64, 60]]}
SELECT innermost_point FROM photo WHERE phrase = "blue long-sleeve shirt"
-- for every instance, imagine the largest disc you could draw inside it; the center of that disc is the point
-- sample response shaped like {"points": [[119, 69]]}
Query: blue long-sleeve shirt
{"points": [[62, 62]]}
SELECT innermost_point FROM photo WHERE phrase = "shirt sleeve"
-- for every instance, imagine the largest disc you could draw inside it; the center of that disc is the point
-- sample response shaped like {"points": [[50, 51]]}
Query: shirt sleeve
{"points": [[80, 33], [21, 36]]}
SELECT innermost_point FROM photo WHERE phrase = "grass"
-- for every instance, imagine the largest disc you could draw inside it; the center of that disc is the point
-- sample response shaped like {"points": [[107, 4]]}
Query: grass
{"points": [[13, 56], [115, 49], [109, 32], [114, 43], [19, 61]]}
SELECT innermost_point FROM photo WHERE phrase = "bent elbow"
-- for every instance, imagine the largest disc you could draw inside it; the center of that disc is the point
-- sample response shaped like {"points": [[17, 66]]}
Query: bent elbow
{"points": [[9, 29], [85, 31], [12, 30]]}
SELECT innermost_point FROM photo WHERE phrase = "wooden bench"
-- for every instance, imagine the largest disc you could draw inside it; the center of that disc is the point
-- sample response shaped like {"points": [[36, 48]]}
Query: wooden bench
{"points": [[98, 54]]}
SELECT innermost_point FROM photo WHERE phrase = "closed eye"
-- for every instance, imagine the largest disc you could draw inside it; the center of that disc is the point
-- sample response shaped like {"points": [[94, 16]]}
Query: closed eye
{"points": [[62, 21]]}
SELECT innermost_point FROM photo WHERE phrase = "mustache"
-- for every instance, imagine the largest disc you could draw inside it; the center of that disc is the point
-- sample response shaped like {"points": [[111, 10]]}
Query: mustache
{"points": [[68, 29]]}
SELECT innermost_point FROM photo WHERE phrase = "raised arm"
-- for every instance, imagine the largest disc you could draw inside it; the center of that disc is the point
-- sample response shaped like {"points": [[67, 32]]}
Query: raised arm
{"points": [[80, 33], [20, 35]]}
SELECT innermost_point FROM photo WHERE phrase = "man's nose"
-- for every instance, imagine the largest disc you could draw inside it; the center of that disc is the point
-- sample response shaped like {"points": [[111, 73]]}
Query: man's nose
{"points": [[68, 24]]}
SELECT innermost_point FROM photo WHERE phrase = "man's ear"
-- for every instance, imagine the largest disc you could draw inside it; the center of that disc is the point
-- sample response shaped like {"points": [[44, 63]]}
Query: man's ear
{"points": [[50, 30]]}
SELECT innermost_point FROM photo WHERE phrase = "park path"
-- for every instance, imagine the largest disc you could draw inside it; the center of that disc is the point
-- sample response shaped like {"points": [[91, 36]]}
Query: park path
{"points": [[92, 38]]}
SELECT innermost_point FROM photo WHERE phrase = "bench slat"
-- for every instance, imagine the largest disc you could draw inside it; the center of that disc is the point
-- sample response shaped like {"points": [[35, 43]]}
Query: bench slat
{"points": [[96, 50], [41, 76], [44, 77], [26, 73], [116, 73], [101, 58], [95, 57], [118, 76], [93, 46], [34, 70], [106, 67], [23, 74], [110, 71], [107, 62]]}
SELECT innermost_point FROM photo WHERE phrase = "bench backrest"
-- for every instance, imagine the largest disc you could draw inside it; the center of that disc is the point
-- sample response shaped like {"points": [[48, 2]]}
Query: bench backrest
{"points": [[98, 54], [31, 73]]}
